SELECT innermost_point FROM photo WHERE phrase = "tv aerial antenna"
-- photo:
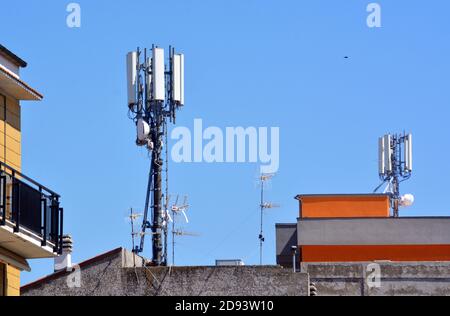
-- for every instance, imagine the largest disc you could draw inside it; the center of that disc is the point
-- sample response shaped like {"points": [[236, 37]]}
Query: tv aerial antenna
{"points": [[264, 178], [396, 166], [179, 211], [155, 94]]}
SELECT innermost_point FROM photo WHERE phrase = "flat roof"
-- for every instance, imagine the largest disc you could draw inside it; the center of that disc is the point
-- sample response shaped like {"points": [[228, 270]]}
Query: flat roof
{"points": [[13, 57], [299, 196]]}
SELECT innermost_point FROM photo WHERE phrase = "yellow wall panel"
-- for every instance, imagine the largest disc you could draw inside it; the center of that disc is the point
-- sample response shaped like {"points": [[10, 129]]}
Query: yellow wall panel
{"points": [[10, 132], [13, 120], [13, 281], [14, 272], [2, 279], [13, 133], [12, 155], [14, 147]]}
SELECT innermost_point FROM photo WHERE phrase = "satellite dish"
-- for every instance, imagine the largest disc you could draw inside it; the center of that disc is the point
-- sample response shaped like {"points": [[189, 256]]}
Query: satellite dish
{"points": [[407, 200]]}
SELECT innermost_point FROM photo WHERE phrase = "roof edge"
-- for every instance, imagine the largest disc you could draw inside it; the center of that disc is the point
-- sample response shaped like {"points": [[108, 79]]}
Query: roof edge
{"points": [[83, 264], [299, 196], [16, 59]]}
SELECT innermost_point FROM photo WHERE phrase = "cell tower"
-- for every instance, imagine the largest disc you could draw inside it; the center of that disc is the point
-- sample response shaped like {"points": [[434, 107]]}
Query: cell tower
{"points": [[396, 166], [264, 178], [155, 93]]}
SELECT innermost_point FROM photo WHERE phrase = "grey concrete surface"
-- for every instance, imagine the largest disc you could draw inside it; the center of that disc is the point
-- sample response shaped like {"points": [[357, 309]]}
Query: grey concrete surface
{"points": [[375, 231], [395, 279], [286, 237], [114, 275]]}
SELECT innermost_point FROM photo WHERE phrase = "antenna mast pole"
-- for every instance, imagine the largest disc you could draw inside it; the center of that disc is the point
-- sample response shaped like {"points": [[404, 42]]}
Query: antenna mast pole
{"points": [[263, 206], [261, 234], [173, 238], [396, 164], [151, 105]]}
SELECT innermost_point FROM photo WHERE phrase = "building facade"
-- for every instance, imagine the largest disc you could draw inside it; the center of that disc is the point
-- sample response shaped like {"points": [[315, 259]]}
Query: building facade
{"points": [[360, 228], [30, 214]]}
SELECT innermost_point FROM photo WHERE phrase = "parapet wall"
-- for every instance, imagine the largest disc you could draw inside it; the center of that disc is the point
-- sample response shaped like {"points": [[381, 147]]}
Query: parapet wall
{"points": [[395, 279]]}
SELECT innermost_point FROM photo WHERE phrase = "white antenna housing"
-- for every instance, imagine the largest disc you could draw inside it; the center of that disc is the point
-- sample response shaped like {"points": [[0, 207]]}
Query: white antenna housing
{"points": [[178, 78], [388, 153], [143, 130], [381, 157], [408, 153], [132, 60], [149, 75], [158, 73]]}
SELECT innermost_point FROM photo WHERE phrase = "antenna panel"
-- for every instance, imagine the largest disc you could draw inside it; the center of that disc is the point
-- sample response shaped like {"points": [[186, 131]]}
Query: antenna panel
{"points": [[178, 78], [149, 75], [132, 61], [381, 157], [388, 153], [158, 73], [182, 78], [408, 153]]}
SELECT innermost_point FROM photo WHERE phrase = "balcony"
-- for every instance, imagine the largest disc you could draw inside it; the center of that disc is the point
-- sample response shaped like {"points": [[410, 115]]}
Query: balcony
{"points": [[31, 220]]}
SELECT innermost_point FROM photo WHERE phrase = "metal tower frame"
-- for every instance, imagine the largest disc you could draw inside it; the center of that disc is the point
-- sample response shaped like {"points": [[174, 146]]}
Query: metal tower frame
{"points": [[395, 157], [155, 113]]}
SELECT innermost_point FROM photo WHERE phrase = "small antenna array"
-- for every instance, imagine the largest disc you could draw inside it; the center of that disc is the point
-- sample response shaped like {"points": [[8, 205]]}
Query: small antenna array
{"points": [[395, 166]]}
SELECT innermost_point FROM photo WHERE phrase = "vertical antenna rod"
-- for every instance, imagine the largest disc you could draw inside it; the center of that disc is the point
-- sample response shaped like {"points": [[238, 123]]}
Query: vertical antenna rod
{"points": [[263, 206], [261, 234]]}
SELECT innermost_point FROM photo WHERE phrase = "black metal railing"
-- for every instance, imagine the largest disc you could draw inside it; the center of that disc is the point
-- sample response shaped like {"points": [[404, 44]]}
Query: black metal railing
{"points": [[27, 204]]}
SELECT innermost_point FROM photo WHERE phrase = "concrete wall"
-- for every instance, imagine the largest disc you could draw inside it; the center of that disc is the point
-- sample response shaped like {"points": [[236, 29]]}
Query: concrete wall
{"points": [[396, 279], [286, 235], [115, 276]]}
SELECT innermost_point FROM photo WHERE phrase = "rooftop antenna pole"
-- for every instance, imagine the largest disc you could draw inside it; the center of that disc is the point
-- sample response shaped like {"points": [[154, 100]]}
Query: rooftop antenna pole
{"points": [[263, 206], [150, 105], [261, 234], [173, 231], [178, 210], [132, 227], [396, 166], [132, 234]]}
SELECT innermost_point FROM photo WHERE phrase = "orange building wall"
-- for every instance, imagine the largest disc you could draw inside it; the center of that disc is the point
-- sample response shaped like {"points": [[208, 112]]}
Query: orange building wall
{"points": [[375, 253], [344, 206], [361, 206]]}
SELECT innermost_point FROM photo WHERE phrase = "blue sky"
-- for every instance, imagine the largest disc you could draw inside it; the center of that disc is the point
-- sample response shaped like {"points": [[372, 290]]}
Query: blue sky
{"points": [[248, 63]]}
